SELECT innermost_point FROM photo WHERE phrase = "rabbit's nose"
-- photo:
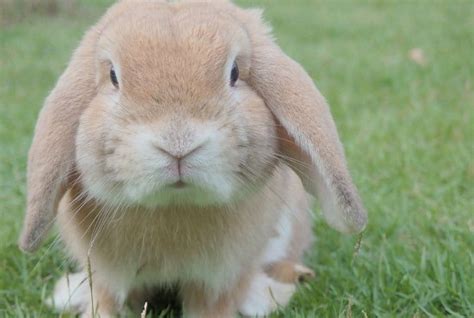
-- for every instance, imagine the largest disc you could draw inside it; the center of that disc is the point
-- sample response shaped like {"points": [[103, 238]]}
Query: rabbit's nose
{"points": [[178, 154]]}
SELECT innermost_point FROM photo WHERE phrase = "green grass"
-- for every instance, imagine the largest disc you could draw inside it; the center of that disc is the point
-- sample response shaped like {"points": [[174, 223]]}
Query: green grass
{"points": [[408, 132]]}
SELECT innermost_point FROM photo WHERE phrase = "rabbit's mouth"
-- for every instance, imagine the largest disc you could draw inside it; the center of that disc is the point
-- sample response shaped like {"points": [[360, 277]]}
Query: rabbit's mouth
{"points": [[181, 193], [180, 184]]}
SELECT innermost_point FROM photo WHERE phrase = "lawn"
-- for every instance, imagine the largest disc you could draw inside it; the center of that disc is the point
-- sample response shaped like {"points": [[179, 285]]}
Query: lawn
{"points": [[406, 120]]}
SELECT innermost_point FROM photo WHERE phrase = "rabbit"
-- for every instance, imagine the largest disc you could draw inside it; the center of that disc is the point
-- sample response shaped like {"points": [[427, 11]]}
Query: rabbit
{"points": [[182, 147]]}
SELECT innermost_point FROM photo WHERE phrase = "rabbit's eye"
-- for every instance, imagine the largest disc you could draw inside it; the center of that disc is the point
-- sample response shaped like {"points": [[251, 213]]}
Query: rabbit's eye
{"points": [[234, 74], [113, 78]]}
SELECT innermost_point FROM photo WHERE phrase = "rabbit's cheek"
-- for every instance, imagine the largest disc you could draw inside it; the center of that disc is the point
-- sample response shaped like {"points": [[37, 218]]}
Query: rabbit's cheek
{"points": [[159, 165]]}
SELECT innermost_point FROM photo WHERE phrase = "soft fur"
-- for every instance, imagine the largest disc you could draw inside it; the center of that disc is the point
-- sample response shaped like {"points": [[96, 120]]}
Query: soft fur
{"points": [[233, 236]]}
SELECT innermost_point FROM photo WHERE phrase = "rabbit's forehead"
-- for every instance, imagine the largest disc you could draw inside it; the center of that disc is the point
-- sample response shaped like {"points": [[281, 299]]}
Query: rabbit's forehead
{"points": [[164, 50], [161, 36]]}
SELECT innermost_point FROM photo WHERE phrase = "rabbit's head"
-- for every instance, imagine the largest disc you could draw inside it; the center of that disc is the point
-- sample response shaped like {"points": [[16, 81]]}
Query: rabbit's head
{"points": [[183, 103], [174, 121]]}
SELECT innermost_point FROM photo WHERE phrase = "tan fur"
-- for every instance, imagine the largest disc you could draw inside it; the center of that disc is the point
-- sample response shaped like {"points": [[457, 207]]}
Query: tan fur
{"points": [[105, 304], [173, 61], [172, 240], [289, 272]]}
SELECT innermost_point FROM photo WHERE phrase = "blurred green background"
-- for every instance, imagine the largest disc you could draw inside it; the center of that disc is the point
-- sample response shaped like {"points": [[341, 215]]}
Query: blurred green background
{"points": [[399, 78]]}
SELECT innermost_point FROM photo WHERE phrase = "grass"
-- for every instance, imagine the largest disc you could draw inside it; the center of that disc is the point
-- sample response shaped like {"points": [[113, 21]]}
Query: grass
{"points": [[408, 131]]}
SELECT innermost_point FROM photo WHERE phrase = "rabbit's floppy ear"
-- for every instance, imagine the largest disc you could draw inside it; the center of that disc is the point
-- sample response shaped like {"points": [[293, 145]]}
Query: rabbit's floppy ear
{"points": [[52, 153], [308, 137]]}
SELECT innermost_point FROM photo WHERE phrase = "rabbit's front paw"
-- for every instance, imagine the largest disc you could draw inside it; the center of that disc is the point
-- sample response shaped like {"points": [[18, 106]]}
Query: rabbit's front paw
{"points": [[71, 294]]}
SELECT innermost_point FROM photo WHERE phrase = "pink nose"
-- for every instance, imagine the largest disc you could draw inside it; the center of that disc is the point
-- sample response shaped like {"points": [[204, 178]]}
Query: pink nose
{"points": [[178, 155]]}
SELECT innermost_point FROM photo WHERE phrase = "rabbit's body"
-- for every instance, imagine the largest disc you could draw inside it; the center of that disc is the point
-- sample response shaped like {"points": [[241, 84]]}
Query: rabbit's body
{"points": [[181, 140], [136, 247]]}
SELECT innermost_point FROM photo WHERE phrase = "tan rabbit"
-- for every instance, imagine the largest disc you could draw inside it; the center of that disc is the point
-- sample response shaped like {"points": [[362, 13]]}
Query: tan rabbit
{"points": [[176, 150]]}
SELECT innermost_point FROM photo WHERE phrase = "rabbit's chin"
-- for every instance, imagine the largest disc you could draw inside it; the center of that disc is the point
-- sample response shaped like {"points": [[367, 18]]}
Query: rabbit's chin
{"points": [[188, 195], [222, 192]]}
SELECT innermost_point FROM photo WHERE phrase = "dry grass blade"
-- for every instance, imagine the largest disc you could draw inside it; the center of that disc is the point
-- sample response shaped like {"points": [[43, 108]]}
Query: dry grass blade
{"points": [[89, 275], [145, 307], [357, 246]]}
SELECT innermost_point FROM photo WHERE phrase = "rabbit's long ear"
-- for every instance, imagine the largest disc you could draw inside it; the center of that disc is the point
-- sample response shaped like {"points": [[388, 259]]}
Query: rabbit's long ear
{"points": [[51, 155], [309, 140]]}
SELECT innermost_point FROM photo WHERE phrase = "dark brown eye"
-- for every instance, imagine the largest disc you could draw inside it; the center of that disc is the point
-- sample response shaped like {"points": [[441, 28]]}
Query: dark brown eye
{"points": [[234, 74], [113, 78]]}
